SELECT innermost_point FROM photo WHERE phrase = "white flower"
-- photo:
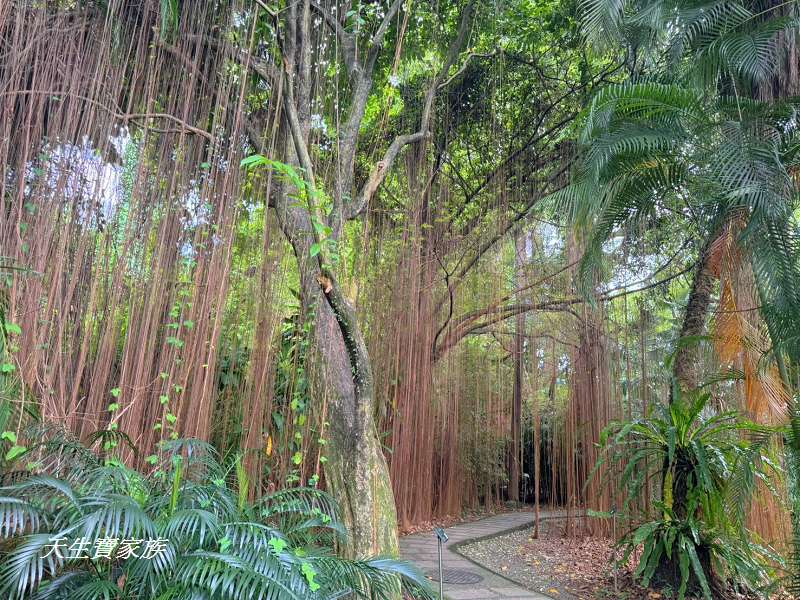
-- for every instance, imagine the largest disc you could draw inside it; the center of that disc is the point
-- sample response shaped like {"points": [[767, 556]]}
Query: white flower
{"points": [[394, 81]]}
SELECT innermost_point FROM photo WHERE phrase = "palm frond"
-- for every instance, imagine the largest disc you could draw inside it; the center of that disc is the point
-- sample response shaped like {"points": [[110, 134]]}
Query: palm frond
{"points": [[115, 516], [18, 516], [192, 524], [374, 578], [22, 569]]}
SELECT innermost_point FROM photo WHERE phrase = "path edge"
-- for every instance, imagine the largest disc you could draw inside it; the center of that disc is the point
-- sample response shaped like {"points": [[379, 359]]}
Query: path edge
{"points": [[457, 546]]}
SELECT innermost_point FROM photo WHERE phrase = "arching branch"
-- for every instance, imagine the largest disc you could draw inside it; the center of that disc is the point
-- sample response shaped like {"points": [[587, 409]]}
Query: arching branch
{"points": [[476, 320]]}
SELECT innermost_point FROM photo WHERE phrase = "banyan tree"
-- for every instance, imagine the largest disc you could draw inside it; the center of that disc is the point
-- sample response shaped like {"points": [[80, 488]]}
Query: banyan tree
{"points": [[422, 255]]}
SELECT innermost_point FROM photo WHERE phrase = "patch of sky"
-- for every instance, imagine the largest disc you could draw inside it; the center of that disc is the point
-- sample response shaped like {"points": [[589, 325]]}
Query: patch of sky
{"points": [[552, 239], [79, 175], [102, 190], [319, 124]]}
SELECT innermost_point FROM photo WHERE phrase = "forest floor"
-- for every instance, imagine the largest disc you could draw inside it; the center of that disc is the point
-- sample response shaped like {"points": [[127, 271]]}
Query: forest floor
{"points": [[561, 567], [464, 579], [553, 566]]}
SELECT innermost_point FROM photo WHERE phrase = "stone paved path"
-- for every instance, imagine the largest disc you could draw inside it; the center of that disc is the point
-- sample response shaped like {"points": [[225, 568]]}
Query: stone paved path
{"points": [[421, 549]]}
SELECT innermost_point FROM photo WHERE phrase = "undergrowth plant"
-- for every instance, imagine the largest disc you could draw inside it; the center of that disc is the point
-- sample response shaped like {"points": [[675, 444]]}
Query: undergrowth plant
{"points": [[14, 411], [212, 543], [697, 540], [793, 470]]}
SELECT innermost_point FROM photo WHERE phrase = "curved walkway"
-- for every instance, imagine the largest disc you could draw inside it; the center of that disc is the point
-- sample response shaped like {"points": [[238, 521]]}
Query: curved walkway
{"points": [[421, 549]]}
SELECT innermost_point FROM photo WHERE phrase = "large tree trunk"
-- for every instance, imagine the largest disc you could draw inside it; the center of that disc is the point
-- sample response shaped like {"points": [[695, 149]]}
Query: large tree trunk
{"points": [[356, 472]]}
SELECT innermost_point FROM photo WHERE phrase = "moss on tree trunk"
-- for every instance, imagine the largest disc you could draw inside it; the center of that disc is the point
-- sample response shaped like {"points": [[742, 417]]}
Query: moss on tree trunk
{"points": [[356, 472]]}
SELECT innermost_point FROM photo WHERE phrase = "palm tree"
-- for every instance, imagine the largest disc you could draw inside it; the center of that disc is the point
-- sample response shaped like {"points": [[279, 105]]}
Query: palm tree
{"points": [[704, 129], [653, 149], [688, 135], [68, 536]]}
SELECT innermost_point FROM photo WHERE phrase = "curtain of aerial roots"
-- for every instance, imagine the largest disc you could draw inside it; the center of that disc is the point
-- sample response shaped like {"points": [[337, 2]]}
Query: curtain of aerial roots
{"points": [[445, 419], [156, 299], [589, 410], [414, 422], [741, 341], [477, 376], [125, 217], [560, 436], [421, 425]]}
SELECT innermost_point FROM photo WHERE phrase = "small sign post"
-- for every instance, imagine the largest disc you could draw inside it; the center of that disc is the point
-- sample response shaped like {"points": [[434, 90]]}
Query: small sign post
{"points": [[441, 536]]}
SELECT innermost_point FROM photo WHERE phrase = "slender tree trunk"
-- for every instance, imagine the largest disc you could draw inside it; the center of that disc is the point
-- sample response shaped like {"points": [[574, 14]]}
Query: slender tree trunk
{"points": [[537, 463], [686, 372], [686, 367], [516, 409]]}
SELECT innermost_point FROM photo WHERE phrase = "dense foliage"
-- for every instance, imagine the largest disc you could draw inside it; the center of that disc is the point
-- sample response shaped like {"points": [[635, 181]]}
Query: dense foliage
{"points": [[98, 529], [704, 130]]}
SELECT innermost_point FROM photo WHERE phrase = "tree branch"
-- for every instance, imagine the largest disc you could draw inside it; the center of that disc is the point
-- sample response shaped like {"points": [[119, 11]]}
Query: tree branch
{"points": [[377, 40], [475, 320], [480, 319], [301, 149], [380, 171], [122, 116], [446, 323], [264, 69], [487, 244], [464, 64], [382, 167], [268, 10]]}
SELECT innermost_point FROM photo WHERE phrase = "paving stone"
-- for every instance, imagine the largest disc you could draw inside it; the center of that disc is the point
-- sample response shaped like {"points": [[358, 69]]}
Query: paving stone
{"points": [[470, 594], [515, 592]]}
